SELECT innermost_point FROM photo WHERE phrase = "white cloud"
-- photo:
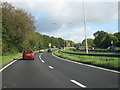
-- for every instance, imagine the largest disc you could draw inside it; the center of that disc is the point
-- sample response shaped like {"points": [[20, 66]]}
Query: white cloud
{"points": [[68, 15], [77, 35], [67, 12], [64, 11], [61, 0]]}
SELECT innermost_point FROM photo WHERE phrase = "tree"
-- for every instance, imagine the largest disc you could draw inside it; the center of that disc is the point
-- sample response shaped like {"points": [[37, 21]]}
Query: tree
{"points": [[17, 28], [89, 41], [18, 31], [61, 42], [77, 45], [108, 39], [99, 38], [118, 37]]}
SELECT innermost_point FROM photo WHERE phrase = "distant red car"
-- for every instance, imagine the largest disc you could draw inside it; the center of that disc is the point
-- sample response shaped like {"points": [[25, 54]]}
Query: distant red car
{"points": [[28, 54]]}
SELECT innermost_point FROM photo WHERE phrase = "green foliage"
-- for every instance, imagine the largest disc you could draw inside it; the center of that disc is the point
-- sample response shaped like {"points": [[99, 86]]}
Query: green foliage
{"points": [[108, 62], [18, 26], [108, 39], [9, 58], [18, 32], [89, 41], [77, 44], [99, 38], [103, 39], [118, 37], [98, 51]]}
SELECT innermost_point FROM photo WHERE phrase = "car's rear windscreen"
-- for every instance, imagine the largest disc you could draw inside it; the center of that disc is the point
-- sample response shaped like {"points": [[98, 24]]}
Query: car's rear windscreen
{"points": [[28, 51]]}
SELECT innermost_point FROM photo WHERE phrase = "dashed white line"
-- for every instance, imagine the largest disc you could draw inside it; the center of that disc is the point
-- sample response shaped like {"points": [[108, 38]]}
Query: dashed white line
{"points": [[43, 61], [41, 58], [51, 67], [7, 65], [86, 64], [77, 83]]}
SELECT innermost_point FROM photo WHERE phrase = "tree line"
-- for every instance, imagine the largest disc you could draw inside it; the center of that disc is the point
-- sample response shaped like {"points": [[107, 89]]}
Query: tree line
{"points": [[18, 31], [103, 40]]}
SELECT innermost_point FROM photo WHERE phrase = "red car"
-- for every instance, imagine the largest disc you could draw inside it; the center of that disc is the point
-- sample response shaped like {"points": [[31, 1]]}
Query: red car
{"points": [[28, 54]]}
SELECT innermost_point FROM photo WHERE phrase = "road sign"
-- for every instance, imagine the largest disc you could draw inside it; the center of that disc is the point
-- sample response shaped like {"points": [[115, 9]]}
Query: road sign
{"points": [[49, 44]]}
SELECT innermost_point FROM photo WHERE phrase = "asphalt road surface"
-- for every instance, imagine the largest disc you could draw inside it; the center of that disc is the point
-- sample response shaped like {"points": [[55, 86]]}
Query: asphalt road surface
{"points": [[47, 71]]}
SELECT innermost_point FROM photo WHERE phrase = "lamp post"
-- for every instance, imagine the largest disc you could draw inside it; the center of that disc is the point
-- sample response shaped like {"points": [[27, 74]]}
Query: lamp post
{"points": [[86, 44]]}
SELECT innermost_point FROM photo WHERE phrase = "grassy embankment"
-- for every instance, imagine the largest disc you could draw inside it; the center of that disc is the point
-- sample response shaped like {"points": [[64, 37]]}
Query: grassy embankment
{"points": [[107, 62]]}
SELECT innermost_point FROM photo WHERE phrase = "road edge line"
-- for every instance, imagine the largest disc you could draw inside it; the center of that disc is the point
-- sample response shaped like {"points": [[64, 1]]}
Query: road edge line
{"points": [[86, 64], [7, 65]]}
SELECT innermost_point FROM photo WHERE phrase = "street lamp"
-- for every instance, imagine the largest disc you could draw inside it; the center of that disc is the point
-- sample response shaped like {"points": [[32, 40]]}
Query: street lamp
{"points": [[86, 45]]}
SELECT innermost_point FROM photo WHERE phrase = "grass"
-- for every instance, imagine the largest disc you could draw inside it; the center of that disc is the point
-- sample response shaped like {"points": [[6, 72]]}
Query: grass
{"points": [[107, 62], [101, 49], [90, 52], [118, 48], [7, 59], [0, 61], [36, 51]]}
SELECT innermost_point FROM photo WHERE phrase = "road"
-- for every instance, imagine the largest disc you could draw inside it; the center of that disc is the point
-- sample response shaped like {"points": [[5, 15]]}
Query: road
{"points": [[47, 71]]}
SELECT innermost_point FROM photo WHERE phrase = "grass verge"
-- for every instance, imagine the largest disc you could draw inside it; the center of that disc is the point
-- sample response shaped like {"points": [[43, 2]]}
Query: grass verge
{"points": [[36, 51], [106, 62], [7, 59], [90, 52]]}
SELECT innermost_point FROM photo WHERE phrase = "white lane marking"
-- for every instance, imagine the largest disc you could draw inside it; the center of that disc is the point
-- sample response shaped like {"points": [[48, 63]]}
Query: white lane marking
{"points": [[40, 55], [41, 58], [51, 67], [7, 65], [86, 64], [77, 83], [43, 61]]}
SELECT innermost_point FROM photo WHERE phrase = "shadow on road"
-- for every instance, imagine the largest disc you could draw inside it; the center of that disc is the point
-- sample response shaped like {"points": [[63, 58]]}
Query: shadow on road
{"points": [[21, 59]]}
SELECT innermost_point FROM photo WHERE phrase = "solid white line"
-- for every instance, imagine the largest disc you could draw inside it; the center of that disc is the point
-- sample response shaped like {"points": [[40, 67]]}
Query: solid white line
{"points": [[51, 67], [86, 64], [7, 65], [77, 83]]}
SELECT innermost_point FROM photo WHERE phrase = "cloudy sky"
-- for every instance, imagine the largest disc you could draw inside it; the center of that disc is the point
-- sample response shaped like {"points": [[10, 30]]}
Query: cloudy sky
{"points": [[64, 18]]}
